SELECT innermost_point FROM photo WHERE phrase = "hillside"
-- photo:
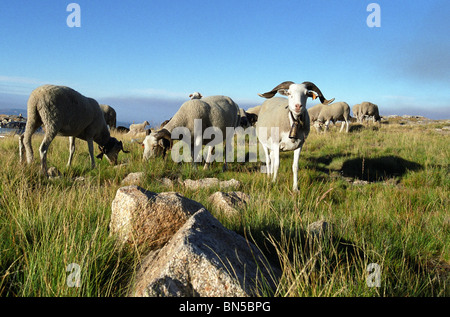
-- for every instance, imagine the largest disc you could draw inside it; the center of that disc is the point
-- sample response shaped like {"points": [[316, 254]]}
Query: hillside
{"points": [[383, 189]]}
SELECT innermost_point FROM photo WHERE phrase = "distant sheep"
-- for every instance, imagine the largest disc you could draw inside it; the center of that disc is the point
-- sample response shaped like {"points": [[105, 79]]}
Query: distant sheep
{"points": [[63, 111], [246, 119], [339, 111], [313, 113], [214, 111], [356, 110], [370, 110], [254, 110], [110, 116], [138, 127], [195, 95]]}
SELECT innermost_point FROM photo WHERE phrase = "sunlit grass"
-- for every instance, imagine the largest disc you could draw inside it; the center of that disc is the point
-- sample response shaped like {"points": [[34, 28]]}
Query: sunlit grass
{"points": [[399, 220]]}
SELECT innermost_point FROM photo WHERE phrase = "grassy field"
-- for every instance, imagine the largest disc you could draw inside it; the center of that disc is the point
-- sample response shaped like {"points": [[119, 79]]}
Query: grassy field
{"points": [[384, 191]]}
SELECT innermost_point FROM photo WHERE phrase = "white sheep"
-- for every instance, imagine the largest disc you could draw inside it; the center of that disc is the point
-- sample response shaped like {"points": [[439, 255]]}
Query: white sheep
{"points": [[313, 113], [138, 127], [195, 95], [339, 111], [215, 111], [368, 109], [284, 124], [110, 116], [63, 111], [355, 109], [246, 119], [254, 110]]}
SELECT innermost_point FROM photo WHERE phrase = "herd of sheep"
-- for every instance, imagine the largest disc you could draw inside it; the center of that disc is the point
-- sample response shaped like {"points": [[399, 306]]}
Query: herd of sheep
{"points": [[281, 124]]}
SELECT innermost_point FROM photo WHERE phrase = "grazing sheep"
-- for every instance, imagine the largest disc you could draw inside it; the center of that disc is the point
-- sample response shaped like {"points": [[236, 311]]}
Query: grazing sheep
{"points": [[63, 111], [254, 110], [313, 113], [339, 111], [369, 109], [122, 129], [215, 111], [195, 95], [110, 116], [246, 119], [138, 127], [284, 124], [355, 110]]}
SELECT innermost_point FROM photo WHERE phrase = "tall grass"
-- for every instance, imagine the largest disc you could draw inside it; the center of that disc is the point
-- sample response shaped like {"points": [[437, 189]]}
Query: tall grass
{"points": [[398, 220]]}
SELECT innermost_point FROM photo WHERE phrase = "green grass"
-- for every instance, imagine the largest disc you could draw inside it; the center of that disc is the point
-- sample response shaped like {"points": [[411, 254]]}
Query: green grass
{"points": [[398, 220]]}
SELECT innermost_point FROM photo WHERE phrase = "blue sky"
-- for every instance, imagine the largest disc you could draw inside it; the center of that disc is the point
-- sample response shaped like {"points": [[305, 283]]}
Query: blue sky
{"points": [[145, 57]]}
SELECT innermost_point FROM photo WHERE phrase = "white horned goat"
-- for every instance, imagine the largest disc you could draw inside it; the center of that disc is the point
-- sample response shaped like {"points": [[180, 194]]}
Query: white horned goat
{"points": [[370, 110], [64, 111], [215, 111], [195, 95], [339, 111], [283, 123]]}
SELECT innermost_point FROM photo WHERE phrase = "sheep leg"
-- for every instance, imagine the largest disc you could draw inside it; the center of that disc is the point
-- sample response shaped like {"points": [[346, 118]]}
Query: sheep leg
{"points": [[91, 152], [327, 123], [266, 152], [275, 153], [71, 149], [43, 150], [208, 158], [29, 131], [295, 168], [197, 151]]}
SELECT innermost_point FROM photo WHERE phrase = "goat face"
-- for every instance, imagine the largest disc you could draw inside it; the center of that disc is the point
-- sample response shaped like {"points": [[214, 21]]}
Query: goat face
{"points": [[297, 95]]}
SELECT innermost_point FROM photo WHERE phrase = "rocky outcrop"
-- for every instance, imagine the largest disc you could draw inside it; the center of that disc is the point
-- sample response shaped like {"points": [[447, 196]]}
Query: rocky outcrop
{"points": [[205, 259], [190, 253], [145, 218]]}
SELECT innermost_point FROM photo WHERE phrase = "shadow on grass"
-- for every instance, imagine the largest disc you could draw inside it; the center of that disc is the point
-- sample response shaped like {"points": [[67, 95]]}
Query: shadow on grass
{"points": [[378, 169], [367, 169]]}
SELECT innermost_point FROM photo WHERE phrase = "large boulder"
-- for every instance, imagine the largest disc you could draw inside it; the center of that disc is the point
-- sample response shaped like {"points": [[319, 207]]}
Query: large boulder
{"points": [[145, 218], [189, 252], [205, 259]]}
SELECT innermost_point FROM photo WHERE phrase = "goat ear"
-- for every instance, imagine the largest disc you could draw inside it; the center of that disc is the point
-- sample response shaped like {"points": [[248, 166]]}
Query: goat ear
{"points": [[100, 156], [312, 95], [284, 92]]}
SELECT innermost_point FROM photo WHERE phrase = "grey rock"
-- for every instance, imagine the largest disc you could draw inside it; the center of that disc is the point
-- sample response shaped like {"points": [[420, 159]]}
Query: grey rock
{"points": [[205, 259]]}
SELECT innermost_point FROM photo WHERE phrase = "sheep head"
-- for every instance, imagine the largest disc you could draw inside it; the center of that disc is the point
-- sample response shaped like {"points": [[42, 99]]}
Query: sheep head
{"points": [[196, 95], [157, 144], [111, 150], [297, 94]]}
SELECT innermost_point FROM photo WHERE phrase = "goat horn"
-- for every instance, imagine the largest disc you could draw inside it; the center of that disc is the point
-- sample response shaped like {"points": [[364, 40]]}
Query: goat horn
{"points": [[311, 86], [164, 134], [270, 94], [121, 147]]}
